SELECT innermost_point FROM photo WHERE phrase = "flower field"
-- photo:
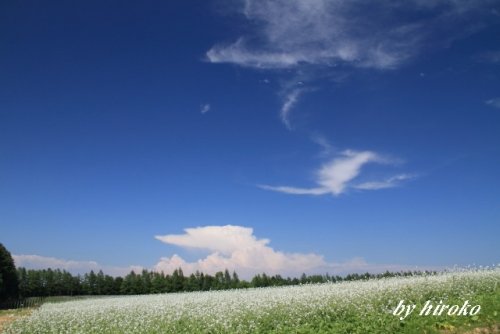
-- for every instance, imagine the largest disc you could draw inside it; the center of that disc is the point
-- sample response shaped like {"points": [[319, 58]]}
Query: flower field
{"points": [[348, 307]]}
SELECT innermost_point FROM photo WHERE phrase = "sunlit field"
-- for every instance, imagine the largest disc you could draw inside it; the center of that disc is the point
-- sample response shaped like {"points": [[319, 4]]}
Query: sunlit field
{"points": [[348, 307]]}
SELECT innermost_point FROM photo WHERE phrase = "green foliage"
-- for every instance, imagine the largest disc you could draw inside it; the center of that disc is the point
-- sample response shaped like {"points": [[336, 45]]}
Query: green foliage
{"points": [[9, 284], [49, 282]]}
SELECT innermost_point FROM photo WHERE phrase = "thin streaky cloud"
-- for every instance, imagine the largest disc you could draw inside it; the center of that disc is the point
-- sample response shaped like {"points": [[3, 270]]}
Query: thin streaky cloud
{"points": [[391, 182], [295, 190], [326, 147], [290, 101], [290, 33], [335, 176], [323, 36], [495, 102]]}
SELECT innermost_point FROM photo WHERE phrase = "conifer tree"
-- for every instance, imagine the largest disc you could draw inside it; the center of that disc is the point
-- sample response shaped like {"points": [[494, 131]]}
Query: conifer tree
{"points": [[9, 283]]}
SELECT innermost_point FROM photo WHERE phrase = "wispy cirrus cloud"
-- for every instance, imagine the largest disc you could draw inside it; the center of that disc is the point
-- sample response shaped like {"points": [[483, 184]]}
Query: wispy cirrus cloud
{"points": [[291, 98], [495, 102], [390, 182], [382, 34], [321, 36], [335, 176], [290, 33], [327, 148]]}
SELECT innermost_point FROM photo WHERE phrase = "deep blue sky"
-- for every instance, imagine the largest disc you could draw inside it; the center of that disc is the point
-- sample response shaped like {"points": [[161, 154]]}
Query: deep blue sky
{"points": [[103, 145]]}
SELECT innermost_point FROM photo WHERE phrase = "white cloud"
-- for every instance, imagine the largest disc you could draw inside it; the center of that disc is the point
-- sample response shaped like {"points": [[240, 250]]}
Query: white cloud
{"points": [[290, 100], [334, 177], [223, 239], [494, 102], [323, 36], [235, 248], [237, 53], [204, 108], [382, 34], [230, 247], [295, 190], [326, 147], [335, 174], [391, 182], [75, 267]]}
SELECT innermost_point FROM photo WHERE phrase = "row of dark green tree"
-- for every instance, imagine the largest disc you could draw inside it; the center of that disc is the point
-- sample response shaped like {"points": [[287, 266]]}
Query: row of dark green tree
{"points": [[48, 282]]}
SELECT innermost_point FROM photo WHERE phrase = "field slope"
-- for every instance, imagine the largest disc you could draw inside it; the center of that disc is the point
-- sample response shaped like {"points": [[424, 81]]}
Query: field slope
{"points": [[349, 307]]}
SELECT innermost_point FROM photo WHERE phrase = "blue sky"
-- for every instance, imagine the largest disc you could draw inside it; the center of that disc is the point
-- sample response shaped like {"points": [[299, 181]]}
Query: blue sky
{"points": [[257, 135]]}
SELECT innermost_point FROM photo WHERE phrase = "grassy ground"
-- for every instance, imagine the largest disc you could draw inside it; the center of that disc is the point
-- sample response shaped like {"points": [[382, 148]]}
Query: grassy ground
{"points": [[8, 316], [487, 321]]}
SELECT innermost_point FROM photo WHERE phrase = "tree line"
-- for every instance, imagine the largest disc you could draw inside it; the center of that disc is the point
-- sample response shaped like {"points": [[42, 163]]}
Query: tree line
{"points": [[48, 282]]}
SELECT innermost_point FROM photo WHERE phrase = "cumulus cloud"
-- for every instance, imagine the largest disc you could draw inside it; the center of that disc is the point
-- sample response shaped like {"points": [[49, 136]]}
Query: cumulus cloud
{"points": [[75, 267], [204, 108], [334, 177], [229, 247], [237, 248], [494, 102], [234, 248]]}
